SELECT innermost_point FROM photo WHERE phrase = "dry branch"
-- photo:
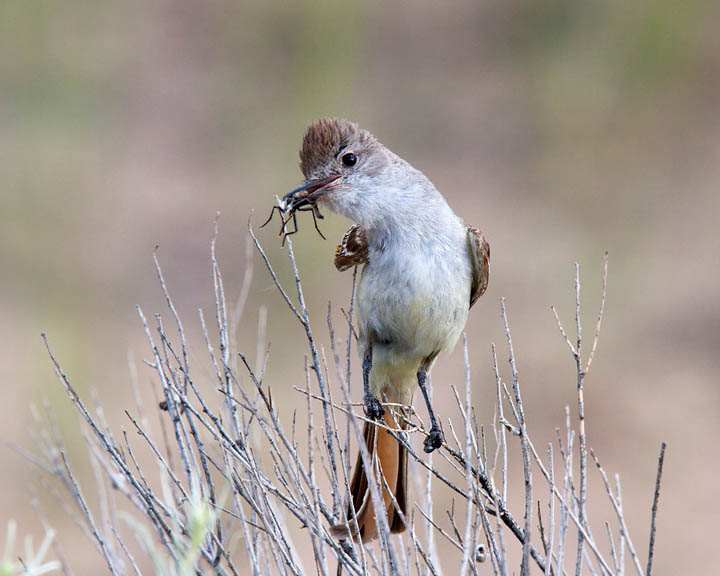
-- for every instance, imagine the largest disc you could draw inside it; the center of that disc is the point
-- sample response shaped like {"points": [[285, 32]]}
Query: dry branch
{"points": [[249, 492]]}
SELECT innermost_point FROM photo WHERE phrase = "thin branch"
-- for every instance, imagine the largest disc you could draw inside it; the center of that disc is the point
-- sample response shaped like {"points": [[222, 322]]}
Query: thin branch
{"points": [[600, 314], [656, 498], [525, 566]]}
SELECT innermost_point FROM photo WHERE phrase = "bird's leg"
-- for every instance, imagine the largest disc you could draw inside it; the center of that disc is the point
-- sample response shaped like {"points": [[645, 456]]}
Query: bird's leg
{"points": [[373, 407], [435, 438]]}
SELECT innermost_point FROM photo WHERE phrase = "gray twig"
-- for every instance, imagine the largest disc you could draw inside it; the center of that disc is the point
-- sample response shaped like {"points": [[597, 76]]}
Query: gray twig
{"points": [[656, 498]]}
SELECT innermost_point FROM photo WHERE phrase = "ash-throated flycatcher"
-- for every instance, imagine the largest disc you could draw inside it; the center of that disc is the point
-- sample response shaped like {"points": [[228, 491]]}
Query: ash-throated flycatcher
{"points": [[423, 270]]}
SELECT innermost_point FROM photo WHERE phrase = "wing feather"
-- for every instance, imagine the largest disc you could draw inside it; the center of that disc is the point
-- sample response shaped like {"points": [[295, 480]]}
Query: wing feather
{"points": [[480, 257], [353, 250]]}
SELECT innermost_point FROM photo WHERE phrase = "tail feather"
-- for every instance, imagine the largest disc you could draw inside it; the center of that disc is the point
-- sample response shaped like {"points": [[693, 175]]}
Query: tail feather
{"points": [[391, 458], [401, 496]]}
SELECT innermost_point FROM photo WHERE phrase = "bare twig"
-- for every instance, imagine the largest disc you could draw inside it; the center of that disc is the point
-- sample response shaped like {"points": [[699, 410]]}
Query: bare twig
{"points": [[656, 498], [525, 567], [250, 472]]}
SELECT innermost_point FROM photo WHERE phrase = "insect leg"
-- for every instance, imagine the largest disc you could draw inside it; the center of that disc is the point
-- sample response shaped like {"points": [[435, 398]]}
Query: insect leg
{"points": [[272, 213]]}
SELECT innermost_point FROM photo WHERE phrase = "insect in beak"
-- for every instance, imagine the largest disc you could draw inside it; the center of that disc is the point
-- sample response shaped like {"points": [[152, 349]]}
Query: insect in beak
{"points": [[301, 199], [312, 189]]}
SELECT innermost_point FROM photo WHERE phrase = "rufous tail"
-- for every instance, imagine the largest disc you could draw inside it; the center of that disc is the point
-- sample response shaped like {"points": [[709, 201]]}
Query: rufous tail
{"points": [[391, 458]]}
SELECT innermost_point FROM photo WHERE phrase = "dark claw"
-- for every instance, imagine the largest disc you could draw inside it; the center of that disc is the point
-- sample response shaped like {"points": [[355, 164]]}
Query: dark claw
{"points": [[373, 408], [433, 441]]}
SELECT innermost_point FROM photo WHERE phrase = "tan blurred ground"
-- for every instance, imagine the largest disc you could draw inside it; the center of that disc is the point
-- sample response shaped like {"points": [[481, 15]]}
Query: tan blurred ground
{"points": [[562, 129]]}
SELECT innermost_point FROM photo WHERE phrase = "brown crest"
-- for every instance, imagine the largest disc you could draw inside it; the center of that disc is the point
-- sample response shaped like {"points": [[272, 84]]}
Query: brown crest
{"points": [[324, 139]]}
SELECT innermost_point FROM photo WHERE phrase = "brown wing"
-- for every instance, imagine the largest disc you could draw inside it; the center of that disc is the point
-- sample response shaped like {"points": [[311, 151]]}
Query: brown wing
{"points": [[480, 257], [353, 250]]}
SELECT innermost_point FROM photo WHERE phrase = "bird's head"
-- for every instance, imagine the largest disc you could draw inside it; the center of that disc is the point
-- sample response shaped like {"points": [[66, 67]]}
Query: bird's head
{"points": [[345, 168]]}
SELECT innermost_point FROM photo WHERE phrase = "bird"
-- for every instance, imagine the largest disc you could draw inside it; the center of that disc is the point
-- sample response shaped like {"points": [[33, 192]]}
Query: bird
{"points": [[423, 269]]}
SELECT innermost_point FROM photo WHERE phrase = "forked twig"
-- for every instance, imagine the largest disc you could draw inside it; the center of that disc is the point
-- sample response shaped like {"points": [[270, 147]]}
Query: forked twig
{"points": [[247, 469]]}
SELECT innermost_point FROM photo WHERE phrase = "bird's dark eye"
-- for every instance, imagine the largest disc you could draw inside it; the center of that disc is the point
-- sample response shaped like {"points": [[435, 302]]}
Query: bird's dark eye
{"points": [[349, 159]]}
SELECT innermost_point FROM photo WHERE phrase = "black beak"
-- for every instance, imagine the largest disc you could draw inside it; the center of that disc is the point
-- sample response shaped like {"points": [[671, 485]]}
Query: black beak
{"points": [[311, 189]]}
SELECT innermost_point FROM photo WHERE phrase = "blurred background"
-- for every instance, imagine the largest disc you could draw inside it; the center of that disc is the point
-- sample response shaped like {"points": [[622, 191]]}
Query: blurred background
{"points": [[562, 129]]}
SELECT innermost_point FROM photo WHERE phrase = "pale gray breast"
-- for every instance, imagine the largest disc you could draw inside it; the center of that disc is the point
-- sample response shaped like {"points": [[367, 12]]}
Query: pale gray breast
{"points": [[416, 300]]}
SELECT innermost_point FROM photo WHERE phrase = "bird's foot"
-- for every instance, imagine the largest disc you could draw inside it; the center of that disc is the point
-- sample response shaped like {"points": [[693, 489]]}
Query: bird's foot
{"points": [[373, 407], [433, 441]]}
